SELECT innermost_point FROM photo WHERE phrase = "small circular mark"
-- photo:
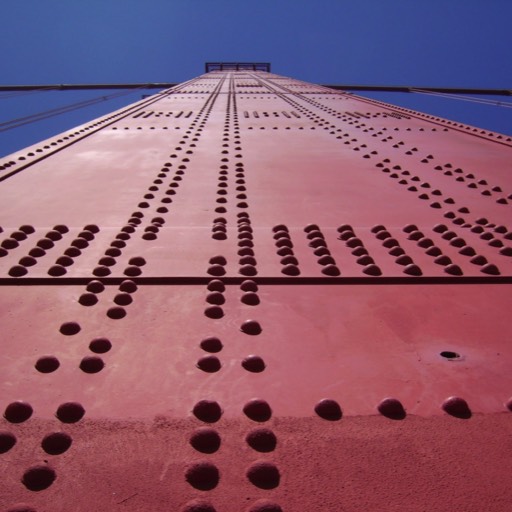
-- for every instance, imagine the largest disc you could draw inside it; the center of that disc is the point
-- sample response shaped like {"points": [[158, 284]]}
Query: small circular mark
{"points": [[198, 506], [449, 354]]}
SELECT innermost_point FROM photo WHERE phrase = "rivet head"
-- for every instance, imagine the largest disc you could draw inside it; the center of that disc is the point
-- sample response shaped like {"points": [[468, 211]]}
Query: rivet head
{"points": [[254, 364], [17, 271], [92, 364], [216, 270], [218, 260], [69, 328], [128, 286], [250, 298], [261, 440], [391, 408], [291, 270], [211, 344], [38, 478], [490, 269], [88, 299], [249, 286], [214, 312], [116, 313], [412, 270], [56, 443], [47, 364], [18, 412], [203, 476], [257, 410], [70, 412], [331, 270], [251, 327], [372, 270], [264, 506], [198, 506], [205, 440], [216, 297], [453, 270], [456, 406], [328, 409], [7, 441], [248, 270], [208, 411], [209, 364], [264, 475]]}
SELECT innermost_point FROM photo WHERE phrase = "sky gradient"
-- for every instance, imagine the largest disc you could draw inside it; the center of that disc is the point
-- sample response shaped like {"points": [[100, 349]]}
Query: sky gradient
{"points": [[464, 43]]}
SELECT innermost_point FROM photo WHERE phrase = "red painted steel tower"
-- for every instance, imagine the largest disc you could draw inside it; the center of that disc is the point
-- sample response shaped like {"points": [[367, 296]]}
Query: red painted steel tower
{"points": [[252, 293]]}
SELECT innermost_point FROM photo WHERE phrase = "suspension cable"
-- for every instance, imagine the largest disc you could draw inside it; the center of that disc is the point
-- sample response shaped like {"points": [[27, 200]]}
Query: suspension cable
{"points": [[471, 99]]}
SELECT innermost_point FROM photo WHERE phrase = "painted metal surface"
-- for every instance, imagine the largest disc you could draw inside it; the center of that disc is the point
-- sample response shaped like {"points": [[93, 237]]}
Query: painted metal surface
{"points": [[253, 293]]}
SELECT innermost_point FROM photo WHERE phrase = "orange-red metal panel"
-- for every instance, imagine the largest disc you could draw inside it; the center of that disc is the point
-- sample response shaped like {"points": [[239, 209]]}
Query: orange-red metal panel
{"points": [[253, 293]]}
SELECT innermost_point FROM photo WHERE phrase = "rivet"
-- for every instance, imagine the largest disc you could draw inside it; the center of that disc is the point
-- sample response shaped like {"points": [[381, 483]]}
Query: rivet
{"points": [[281, 234], [100, 345], [248, 270], [38, 478], [7, 441], [264, 475], [391, 408], [328, 409], [456, 406], [70, 412], [383, 234], [91, 364], [358, 251], [346, 235], [214, 312], [250, 298], [433, 251], [331, 270], [372, 270], [253, 364], [216, 270], [198, 506], [56, 443], [425, 242], [69, 328], [116, 313], [442, 260], [390, 242], [458, 242], [17, 271], [205, 440], [291, 270], [128, 286], [18, 412], [506, 251], [261, 440], [412, 270], [203, 476], [211, 344], [410, 228], [257, 410], [209, 364], [345, 227], [490, 269], [284, 242], [123, 299], [453, 269], [37, 252], [284, 251], [467, 251], [249, 286], [208, 411], [101, 271]]}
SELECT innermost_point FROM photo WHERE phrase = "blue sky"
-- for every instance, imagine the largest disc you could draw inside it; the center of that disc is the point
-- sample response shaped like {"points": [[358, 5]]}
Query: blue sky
{"points": [[446, 43]]}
